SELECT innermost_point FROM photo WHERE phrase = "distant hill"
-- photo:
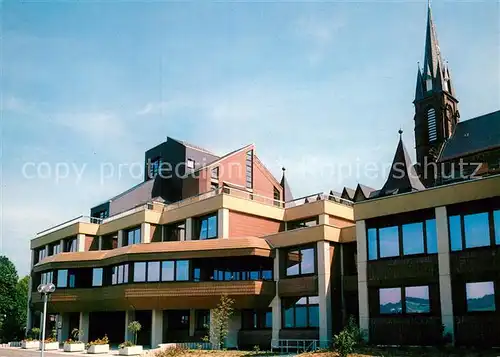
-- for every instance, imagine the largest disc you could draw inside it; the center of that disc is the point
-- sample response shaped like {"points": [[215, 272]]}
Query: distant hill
{"points": [[486, 303], [413, 305]]}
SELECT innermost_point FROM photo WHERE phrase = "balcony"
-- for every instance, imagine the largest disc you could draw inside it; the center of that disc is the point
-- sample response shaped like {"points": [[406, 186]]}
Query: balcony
{"points": [[171, 295]]}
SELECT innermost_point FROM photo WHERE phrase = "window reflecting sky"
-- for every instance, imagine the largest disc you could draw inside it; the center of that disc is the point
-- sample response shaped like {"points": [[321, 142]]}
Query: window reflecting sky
{"points": [[477, 230], [390, 295], [413, 238], [430, 227], [389, 242], [372, 244], [455, 233], [479, 290], [496, 220]]}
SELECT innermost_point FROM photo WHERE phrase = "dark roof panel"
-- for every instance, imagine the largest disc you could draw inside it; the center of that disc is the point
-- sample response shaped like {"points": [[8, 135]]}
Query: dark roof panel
{"points": [[473, 135]]}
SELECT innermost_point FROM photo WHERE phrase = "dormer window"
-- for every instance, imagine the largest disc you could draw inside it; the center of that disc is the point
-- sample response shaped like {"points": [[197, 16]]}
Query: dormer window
{"points": [[190, 163]]}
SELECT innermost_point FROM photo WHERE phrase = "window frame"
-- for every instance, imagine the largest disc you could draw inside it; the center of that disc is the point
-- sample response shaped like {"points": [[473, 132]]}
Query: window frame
{"points": [[481, 312], [308, 305], [300, 249], [425, 219], [258, 319], [132, 230], [199, 221], [404, 312]]}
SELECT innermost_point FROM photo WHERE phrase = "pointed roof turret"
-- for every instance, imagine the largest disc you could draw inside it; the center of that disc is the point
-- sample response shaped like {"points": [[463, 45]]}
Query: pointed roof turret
{"points": [[402, 177], [287, 192], [419, 88], [432, 56]]}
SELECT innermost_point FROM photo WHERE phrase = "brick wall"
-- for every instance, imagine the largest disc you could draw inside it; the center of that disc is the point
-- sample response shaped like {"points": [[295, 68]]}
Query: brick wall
{"points": [[339, 222], [91, 243], [245, 225]]}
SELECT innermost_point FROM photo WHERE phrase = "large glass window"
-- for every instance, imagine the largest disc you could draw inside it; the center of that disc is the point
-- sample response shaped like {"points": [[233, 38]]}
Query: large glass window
{"points": [[167, 270], [62, 278], [47, 277], [139, 272], [202, 319], [153, 271], [134, 236], [477, 230], [70, 245], [175, 270], [41, 253], [207, 227], [480, 296], [182, 270], [301, 312], [455, 229], [175, 232], [390, 301], [389, 242], [417, 300], [300, 261], [413, 238], [97, 276], [119, 274], [372, 244]]}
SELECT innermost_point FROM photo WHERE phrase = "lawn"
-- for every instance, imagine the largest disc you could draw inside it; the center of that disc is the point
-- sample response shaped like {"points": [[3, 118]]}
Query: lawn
{"points": [[369, 352]]}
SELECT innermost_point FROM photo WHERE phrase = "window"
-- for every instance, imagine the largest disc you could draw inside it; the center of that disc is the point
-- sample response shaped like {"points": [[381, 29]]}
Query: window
{"points": [[62, 278], [276, 196], [413, 238], [390, 301], [480, 296], [301, 223], [153, 271], [431, 235], [389, 242], [167, 270], [97, 276], [207, 227], [72, 279], [47, 277], [249, 169], [417, 300], [70, 245], [214, 174], [175, 270], [182, 270], [154, 167], [431, 123], [233, 275], [41, 253], [300, 261], [100, 214], [455, 229], [477, 230], [55, 249], [175, 232], [202, 319], [496, 224], [256, 319], [190, 163], [119, 274], [134, 236], [301, 312], [139, 272], [372, 244]]}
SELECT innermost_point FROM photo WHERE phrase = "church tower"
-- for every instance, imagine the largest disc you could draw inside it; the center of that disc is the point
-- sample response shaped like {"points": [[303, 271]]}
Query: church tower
{"points": [[436, 108]]}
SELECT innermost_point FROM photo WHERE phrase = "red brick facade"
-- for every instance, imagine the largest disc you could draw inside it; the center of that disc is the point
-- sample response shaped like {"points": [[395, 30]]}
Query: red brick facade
{"points": [[244, 225]]}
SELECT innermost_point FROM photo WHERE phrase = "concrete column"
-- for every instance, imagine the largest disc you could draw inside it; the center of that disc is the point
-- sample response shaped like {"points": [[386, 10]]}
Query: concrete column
{"points": [[324, 219], [80, 242], [100, 243], [445, 295], [223, 223], [364, 316], [120, 238], [46, 251], [62, 245], [129, 317], [84, 326], [213, 338], [29, 315], [192, 322], [276, 303], [189, 229], [324, 293], [156, 328], [145, 233]]}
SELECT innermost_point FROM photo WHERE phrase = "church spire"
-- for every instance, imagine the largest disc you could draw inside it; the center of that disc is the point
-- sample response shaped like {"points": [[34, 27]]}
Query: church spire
{"points": [[432, 58]]}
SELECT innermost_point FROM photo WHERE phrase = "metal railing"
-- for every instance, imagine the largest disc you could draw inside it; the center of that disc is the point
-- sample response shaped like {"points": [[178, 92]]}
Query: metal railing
{"points": [[79, 219], [287, 345], [321, 196]]}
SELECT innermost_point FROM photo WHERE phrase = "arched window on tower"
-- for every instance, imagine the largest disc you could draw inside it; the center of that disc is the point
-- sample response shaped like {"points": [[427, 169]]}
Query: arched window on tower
{"points": [[431, 124]]}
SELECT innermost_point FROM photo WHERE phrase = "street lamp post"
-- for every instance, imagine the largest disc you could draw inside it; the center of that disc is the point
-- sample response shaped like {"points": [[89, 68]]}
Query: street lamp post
{"points": [[46, 290]]}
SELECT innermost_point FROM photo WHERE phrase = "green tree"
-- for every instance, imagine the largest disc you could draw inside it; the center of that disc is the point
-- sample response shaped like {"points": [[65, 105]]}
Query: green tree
{"points": [[10, 326], [134, 327], [219, 321]]}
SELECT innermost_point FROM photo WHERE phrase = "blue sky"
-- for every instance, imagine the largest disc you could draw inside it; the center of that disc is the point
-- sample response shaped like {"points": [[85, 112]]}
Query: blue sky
{"points": [[312, 84]]}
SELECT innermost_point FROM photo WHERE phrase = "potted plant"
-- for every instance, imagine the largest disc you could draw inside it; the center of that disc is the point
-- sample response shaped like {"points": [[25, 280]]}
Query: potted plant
{"points": [[50, 344], [101, 345], [74, 344], [31, 341], [129, 348]]}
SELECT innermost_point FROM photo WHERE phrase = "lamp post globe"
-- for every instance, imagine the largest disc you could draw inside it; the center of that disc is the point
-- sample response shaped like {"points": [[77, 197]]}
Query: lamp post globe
{"points": [[46, 290]]}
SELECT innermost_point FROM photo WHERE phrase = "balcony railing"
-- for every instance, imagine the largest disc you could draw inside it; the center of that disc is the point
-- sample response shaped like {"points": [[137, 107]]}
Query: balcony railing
{"points": [[79, 219], [318, 197]]}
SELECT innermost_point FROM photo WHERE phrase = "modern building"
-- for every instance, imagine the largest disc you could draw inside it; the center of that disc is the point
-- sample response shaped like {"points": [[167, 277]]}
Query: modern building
{"points": [[413, 261]]}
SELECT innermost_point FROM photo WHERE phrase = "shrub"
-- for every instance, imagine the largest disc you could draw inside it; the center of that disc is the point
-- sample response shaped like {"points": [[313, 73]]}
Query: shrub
{"points": [[33, 334], [127, 344], [75, 336], [344, 343], [171, 352], [99, 341]]}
